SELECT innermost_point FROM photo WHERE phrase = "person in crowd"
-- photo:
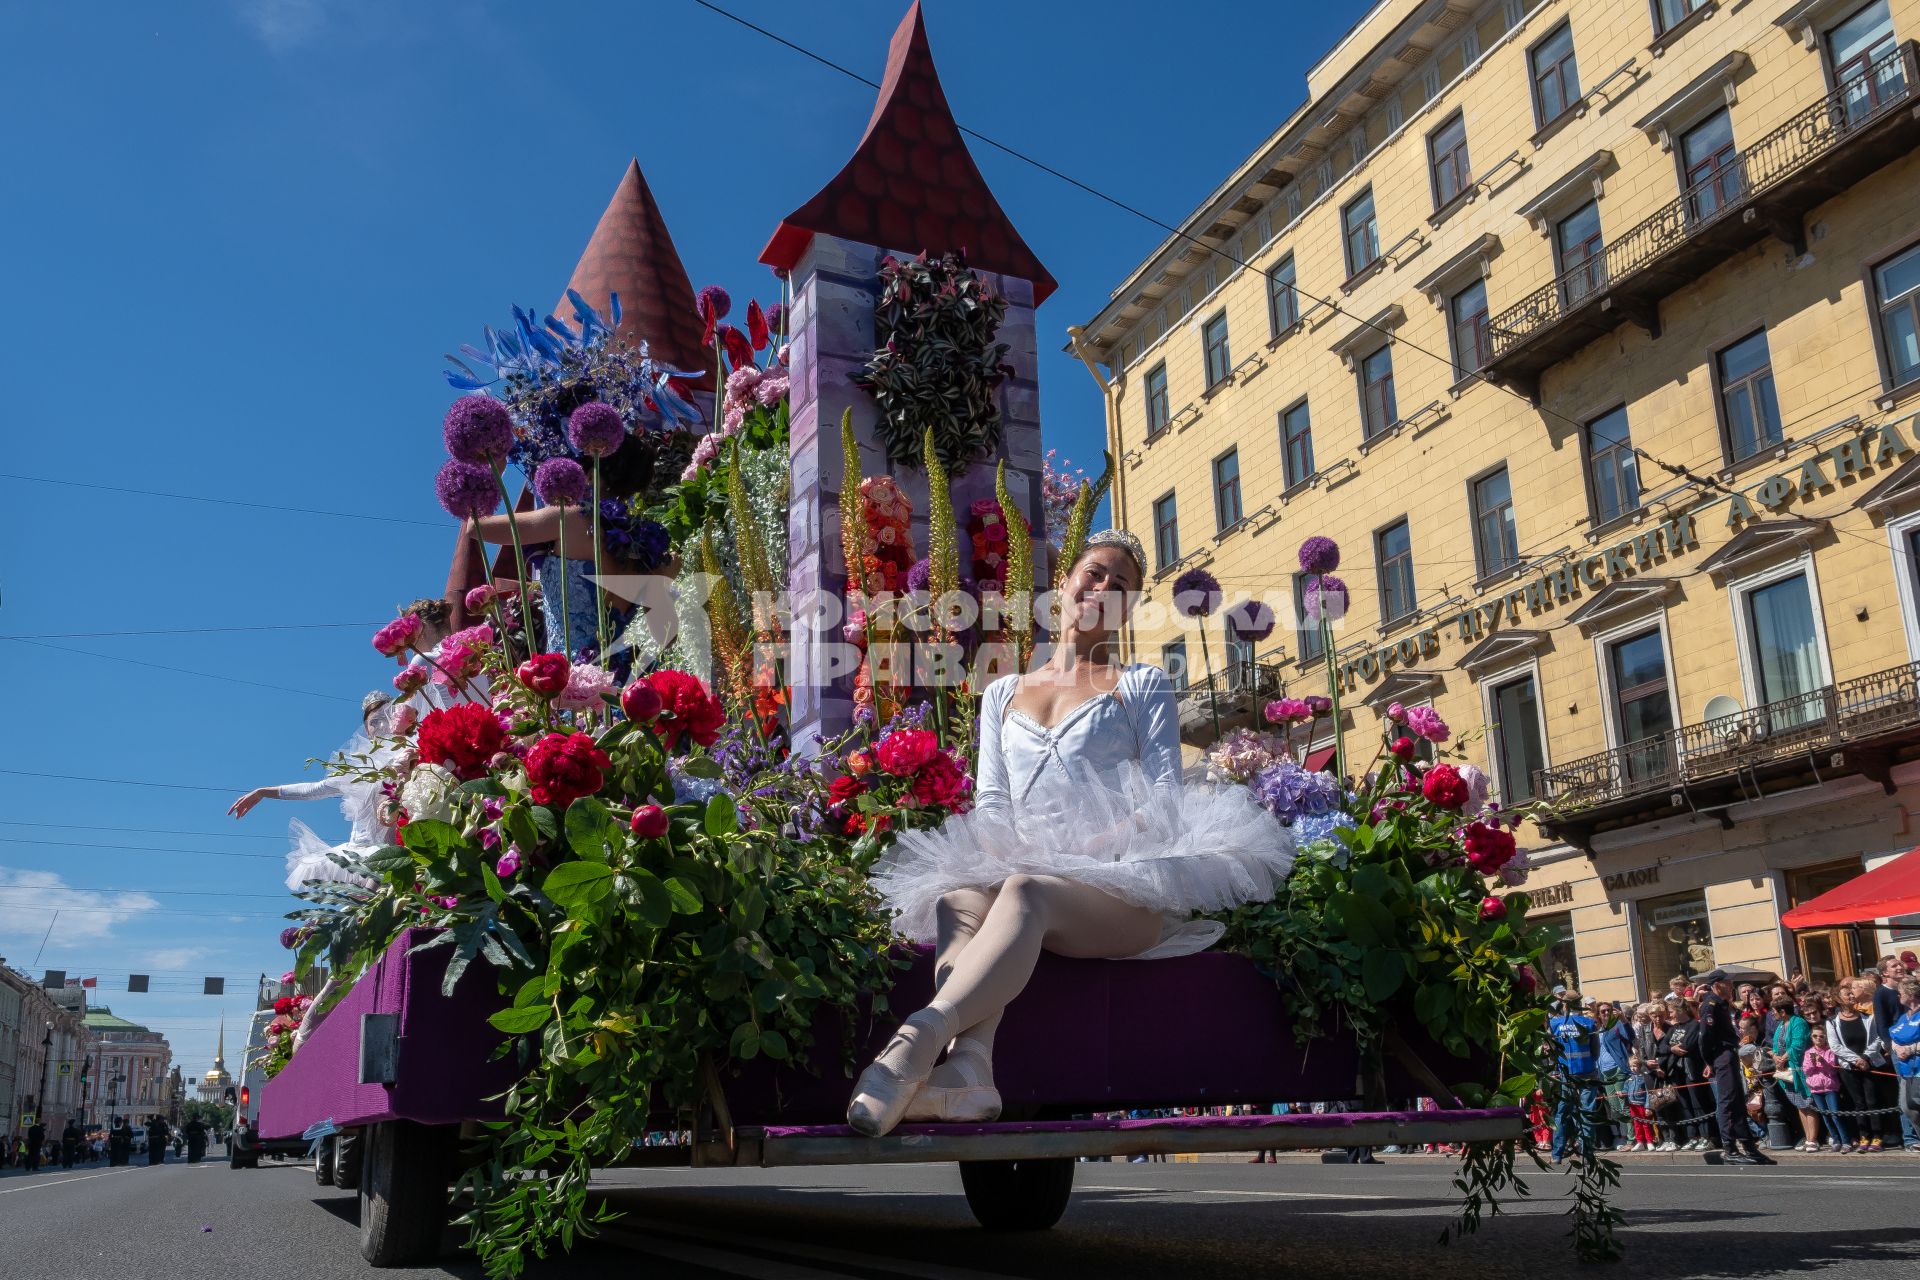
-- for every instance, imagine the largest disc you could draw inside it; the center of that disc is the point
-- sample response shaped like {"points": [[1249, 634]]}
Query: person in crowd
{"points": [[1859, 1041], [1754, 1004], [1576, 1041], [1719, 1049], [120, 1142], [1616, 1047], [1789, 1043], [1821, 1067], [1686, 1072], [69, 1144], [156, 1140], [1891, 971], [196, 1134], [1640, 1058], [1904, 1037]]}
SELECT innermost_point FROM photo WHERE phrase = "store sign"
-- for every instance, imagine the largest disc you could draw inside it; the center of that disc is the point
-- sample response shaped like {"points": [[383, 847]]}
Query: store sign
{"points": [[1631, 879], [1869, 448], [1553, 895]]}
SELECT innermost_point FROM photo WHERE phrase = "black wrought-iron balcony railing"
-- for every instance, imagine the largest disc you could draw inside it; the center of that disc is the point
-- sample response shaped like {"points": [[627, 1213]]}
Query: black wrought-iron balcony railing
{"points": [[1864, 123], [1808, 727], [1238, 688]]}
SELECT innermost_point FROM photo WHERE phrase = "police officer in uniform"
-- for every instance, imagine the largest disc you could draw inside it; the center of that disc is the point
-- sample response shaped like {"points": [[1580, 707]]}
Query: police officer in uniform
{"points": [[1720, 1047]]}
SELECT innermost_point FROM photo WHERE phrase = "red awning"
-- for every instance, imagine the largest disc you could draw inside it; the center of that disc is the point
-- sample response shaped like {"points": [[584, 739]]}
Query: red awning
{"points": [[1881, 894], [1318, 760]]}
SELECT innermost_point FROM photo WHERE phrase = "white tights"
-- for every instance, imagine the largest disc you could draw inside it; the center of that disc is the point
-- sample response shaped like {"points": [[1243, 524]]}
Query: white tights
{"points": [[987, 944]]}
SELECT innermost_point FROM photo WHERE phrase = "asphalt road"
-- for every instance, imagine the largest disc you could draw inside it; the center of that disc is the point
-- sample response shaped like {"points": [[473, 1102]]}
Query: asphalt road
{"points": [[1838, 1216]]}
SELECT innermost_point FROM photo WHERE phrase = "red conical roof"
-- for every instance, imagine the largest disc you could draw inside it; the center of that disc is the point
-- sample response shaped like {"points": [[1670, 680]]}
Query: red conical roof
{"points": [[631, 254], [911, 183]]}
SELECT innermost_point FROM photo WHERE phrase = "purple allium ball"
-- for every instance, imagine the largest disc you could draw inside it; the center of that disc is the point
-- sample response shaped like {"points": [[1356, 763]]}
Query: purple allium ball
{"points": [[777, 318], [595, 429], [1326, 599], [1319, 555], [1251, 620], [478, 429], [290, 936], [560, 482], [1196, 593], [920, 576], [713, 303], [466, 489]]}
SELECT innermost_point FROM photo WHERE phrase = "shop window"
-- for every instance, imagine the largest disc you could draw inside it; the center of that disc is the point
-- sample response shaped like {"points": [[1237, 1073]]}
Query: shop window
{"points": [[1825, 955], [1676, 939], [1559, 963]]}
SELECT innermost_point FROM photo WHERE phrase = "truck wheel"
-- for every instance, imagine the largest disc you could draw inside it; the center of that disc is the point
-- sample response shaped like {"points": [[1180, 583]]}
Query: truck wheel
{"points": [[1017, 1195], [323, 1162], [403, 1192], [346, 1159]]}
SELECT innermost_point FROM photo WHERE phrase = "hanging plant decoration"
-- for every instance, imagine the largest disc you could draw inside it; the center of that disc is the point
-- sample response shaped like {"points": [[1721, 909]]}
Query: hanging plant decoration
{"points": [[937, 365]]}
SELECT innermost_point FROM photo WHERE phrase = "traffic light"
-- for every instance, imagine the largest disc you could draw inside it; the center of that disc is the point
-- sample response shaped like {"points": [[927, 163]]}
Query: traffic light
{"points": [[245, 1094]]}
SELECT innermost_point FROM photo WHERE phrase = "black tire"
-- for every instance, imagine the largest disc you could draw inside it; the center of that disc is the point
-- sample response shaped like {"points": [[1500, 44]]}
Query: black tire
{"points": [[323, 1163], [1017, 1195], [404, 1172], [346, 1159]]}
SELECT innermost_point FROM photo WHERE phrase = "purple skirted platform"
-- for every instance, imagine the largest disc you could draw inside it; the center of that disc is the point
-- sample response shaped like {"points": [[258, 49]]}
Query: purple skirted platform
{"points": [[1086, 1035], [1327, 1127]]}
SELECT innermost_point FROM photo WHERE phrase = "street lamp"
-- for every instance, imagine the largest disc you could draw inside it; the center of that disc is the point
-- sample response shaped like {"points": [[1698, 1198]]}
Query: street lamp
{"points": [[46, 1094]]}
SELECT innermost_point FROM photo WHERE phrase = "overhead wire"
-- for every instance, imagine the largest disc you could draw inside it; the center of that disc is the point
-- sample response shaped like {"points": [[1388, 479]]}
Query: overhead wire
{"points": [[184, 671], [224, 502]]}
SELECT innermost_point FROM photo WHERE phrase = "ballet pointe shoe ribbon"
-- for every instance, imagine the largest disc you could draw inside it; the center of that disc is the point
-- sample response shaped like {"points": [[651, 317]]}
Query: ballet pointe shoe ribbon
{"points": [[889, 1084], [972, 1100]]}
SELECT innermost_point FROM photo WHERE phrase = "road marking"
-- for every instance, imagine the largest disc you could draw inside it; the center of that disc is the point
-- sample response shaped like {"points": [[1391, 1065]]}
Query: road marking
{"points": [[1228, 1191], [813, 1253], [58, 1182], [1862, 1176]]}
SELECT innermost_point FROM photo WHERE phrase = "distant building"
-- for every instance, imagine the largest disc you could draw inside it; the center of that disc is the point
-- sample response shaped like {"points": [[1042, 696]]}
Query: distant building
{"points": [[44, 1052], [130, 1066], [214, 1085]]}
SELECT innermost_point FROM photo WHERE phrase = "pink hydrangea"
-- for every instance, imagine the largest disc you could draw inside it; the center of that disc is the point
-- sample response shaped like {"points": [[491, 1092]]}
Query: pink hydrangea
{"points": [[771, 391], [733, 420], [707, 449], [741, 382], [1426, 723], [1241, 754]]}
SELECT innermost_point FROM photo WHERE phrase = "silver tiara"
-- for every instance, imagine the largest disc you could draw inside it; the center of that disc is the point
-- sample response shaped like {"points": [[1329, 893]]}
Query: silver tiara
{"points": [[1126, 542], [373, 702]]}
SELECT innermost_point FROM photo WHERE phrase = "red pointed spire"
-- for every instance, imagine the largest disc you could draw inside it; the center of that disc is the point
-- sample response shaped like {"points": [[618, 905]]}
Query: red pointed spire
{"points": [[631, 254], [911, 183]]}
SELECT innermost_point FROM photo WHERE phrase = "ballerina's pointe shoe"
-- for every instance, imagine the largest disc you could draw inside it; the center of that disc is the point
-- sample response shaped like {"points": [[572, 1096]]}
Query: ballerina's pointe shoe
{"points": [[888, 1085], [970, 1098]]}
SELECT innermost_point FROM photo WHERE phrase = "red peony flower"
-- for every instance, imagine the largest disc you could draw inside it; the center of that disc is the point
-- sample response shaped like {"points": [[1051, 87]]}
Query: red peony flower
{"points": [[640, 703], [903, 752], [545, 673], [283, 1005], [649, 822], [941, 782], [565, 766], [462, 737], [1443, 786], [1402, 749], [688, 708], [1492, 908], [844, 790], [1488, 847]]}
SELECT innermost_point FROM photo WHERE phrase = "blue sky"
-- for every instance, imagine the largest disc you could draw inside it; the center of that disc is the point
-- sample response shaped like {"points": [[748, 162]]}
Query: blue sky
{"points": [[238, 237]]}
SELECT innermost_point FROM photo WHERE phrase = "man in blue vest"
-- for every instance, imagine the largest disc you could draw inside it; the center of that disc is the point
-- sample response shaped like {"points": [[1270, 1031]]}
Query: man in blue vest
{"points": [[1576, 1041]]}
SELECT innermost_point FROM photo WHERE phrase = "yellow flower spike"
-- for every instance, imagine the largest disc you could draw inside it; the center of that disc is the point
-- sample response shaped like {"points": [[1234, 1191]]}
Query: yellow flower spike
{"points": [[1019, 592]]}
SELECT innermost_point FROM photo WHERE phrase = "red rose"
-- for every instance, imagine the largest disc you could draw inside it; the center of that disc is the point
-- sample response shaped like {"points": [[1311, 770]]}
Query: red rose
{"points": [[1444, 787], [463, 737], [941, 782], [545, 673], [903, 752], [860, 763], [1488, 847], [283, 1005], [565, 766], [650, 822], [843, 790], [640, 703], [1402, 749], [689, 708], [1492, 908]]}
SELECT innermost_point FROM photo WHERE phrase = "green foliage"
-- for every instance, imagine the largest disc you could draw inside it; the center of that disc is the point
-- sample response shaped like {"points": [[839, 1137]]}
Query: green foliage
{"points": [[686, 506], [936, 365]]}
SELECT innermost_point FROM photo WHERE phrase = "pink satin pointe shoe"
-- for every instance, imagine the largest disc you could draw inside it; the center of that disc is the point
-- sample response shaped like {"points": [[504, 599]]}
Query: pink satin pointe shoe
{"points": [[883, 1093], [974, 1100]]}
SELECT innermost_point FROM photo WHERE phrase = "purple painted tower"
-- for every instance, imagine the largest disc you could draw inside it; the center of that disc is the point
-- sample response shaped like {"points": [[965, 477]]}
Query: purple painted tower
{"points": [[911, 186]]}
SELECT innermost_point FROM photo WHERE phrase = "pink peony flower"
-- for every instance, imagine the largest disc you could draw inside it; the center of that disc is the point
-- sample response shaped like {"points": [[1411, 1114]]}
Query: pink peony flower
{"points": [[903, 752], [415, 678], [287, 978], [479, 598], [403, 720], [1396, 713], [397, 636], [1288, 711], [1443, 787], [585, 683], [1426, 723]]}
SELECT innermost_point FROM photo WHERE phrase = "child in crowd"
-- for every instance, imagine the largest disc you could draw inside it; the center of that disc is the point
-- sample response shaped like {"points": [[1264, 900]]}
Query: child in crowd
{"points": [[1821, 1066]]}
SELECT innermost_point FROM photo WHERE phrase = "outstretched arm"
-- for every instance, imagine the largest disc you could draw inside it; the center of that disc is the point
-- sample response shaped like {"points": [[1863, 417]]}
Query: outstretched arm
{"points": [[322, 789]]}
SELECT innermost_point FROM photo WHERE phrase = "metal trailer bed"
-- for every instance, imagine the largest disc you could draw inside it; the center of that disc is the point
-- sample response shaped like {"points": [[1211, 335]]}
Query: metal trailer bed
{"points": [[397, 1069]]}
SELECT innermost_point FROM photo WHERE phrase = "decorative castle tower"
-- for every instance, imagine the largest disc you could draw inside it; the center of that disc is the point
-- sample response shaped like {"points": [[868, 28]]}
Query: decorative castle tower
{"points": [[632, 254], [911, 186]]}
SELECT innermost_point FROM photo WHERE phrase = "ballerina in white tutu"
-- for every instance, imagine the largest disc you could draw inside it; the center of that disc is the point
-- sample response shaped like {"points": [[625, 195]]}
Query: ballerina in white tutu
{"points": [[312, 858], [1082, 841]]}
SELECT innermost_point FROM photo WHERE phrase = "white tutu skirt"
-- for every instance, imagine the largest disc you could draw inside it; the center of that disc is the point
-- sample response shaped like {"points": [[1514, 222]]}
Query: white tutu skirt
{"points": [[1176, 850], [312, 858]]}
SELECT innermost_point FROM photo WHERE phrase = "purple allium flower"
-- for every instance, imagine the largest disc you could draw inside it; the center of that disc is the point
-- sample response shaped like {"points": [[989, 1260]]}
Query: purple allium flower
{"points": [[920, 576], [466, 489], [1319, 554], [1251, 620], [712, 303], [777, 318], [1319, 704], [560, 482], [1196, 593], [1326, 599], [290, 936], [478, 429], [595, 429]]}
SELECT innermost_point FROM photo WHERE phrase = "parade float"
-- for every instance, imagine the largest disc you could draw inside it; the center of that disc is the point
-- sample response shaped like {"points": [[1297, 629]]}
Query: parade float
{"points": [[624, 916]]}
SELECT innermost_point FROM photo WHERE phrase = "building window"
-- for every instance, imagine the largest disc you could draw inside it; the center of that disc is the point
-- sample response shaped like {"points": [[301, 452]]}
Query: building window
{"points": [[1239, 651], [1283, 306], [1710, 167], [1213, 340], [1173, 658], [1583, 254], [1642, 707], [1226, 490], [1306, 638], [1747, 401], [1612, 470], [1676, 939], [1785, 651], [1393, 552], [1362, 233], [1896, 291], [1559, 963], [1377, 409], [1158, 415], [1467, 310], [1496, 544], [1556, 76], [1858, 48], [1166, 531], [1296, 444], [1668, 14], [1447, 161], [1518, 752]]}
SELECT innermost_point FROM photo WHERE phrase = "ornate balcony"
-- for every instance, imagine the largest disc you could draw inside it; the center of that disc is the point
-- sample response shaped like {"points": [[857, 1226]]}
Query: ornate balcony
{"points": [[1866, 122], [1860, 726], [1242, 689]]}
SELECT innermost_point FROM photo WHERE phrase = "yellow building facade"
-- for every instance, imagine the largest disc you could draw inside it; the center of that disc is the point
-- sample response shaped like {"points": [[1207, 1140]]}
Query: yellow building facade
{"points": [[1591, 332]]}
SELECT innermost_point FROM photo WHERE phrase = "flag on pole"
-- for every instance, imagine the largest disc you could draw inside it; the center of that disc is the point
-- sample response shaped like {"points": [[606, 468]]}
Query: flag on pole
{"points": [[89, 982]]}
